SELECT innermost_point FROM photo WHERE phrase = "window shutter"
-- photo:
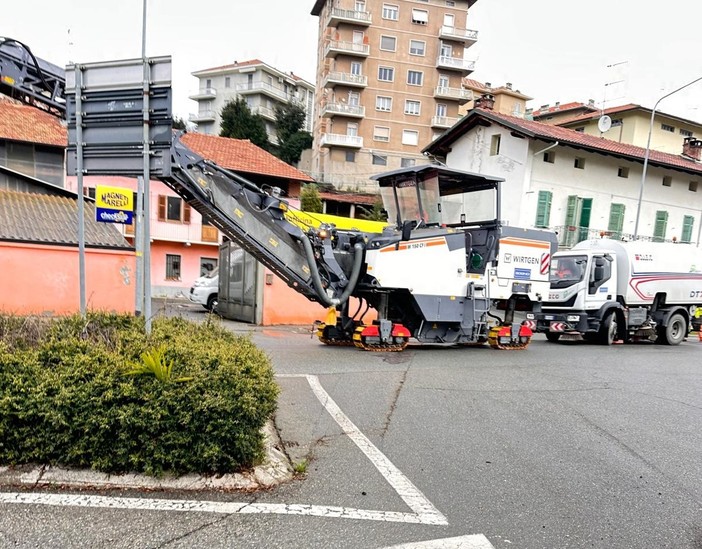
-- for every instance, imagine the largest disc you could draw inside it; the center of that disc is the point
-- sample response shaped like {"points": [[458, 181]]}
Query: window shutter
{"points": [[161, 207], [616, 220], [688, 222], [661, 226], [186, 212], [543, 209], [571, 210]]}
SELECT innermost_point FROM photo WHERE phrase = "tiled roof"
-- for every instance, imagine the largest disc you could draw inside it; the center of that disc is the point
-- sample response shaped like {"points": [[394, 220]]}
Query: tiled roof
{"points": [[241, 156], [349, 198], [235, 65], [20, 122], [48, 219], [564, 107], [564, 136], [479, 87]]}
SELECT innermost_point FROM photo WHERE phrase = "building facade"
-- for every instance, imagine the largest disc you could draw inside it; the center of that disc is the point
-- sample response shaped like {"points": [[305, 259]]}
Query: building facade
{"points": [[389, 80], [262, 86]]}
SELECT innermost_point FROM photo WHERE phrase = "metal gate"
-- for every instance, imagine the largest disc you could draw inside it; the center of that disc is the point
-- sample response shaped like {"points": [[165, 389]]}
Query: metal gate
{"points": [[238, 275]]}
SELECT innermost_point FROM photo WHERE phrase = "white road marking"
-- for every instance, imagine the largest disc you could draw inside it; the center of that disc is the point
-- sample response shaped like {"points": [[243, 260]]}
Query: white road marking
{"points": [[477, 541]]}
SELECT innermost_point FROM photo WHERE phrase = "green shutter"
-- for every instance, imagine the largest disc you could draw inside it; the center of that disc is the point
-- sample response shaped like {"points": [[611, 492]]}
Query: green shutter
{"points": [[584, 222], [688, 222], [543, 209], [616, 220], [572, 210], [661, 226]]}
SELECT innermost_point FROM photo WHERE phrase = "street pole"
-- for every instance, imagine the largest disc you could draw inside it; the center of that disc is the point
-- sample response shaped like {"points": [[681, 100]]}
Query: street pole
{"points": [[648, 152], [146, 233]]}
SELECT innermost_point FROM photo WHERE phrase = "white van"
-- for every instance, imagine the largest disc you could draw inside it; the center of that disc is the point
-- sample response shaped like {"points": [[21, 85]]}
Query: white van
{"points": [[205, 290]]}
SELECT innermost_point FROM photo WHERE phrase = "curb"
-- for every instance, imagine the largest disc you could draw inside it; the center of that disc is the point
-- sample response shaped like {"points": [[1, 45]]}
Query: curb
{"points": [[275, 470]]}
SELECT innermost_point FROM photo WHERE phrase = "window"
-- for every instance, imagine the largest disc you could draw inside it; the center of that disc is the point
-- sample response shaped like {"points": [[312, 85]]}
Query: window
{"points": [[550, 157], [410, 137], [207, 265], [407, 162], [420, 17], [495, 145], [686, 133], [692, 187], [412, 107], [383, 103], [227, 82], [579, 163], [661, 225], [449, 20], [381, 133], [172, 208], [667, 128], [688, 223], [356, 68], [360, 5], [90, 193], [352, 129], [391, 11], [172, 267], [208, 83], [667, 181], [543, 209], [417, 47], [354, 99], [441, 109], [616, 220], [386, 74], [623, 172], [380, 160], [350, 156], [444, 81], [415, 78], [617, 122], [450, 3], [388, 43], [581, 129]]}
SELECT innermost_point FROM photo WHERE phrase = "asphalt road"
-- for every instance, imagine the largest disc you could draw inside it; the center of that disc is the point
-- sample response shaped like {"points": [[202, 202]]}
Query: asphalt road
{"points": [[558, 446]]}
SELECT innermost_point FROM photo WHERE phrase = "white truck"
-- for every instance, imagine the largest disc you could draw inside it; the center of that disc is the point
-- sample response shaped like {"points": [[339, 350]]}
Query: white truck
{"points": [[605, 290]]}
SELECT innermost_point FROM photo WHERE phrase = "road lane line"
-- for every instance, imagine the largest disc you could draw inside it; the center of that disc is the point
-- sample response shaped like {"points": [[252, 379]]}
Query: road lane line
{"points": [[477, 541]]}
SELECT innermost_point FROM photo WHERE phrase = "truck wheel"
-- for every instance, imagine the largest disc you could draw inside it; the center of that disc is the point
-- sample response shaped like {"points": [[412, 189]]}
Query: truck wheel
{"points": [[608, 330], [553, 337], [674, 332], [211, 303]]}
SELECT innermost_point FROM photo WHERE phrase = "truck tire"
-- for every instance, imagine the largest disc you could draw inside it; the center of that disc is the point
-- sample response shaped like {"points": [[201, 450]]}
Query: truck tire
{"points": [[608, 330], [674, 332], [553, 337]]}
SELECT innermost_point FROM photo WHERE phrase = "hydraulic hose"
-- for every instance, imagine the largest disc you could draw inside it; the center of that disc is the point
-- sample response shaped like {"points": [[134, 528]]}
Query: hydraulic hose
{"points": [[317, 282]]}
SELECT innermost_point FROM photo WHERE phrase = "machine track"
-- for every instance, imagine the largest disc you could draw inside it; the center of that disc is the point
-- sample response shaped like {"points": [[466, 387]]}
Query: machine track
{"points": [[505, 343], [375, 345]]}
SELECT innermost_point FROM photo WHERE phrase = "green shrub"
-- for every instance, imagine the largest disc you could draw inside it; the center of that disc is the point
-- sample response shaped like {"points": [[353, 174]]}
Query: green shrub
{"points": [[67, 397]]}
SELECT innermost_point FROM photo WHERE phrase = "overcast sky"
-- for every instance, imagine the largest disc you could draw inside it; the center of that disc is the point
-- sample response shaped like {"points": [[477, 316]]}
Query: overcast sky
{"points": [[551, 50]]}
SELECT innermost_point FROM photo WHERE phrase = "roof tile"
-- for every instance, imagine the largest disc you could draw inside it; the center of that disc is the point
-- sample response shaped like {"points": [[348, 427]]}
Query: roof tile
{"points": [[19, 122]]}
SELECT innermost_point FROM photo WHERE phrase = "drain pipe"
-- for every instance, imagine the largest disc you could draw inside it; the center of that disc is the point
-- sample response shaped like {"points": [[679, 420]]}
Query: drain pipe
{"points": [[548, 148]]}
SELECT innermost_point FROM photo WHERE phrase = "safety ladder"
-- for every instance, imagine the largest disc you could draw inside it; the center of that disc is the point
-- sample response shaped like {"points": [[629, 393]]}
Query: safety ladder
{"points": [[481, 306]]}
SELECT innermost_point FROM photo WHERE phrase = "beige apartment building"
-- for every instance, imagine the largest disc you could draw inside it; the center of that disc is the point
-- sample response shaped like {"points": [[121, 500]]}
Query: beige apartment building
{"points": [[389, 80]]}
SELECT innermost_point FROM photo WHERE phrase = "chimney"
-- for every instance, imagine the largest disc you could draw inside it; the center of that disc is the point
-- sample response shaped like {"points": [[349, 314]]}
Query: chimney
{"points": [[692, 148], [488, 85], [485, 101], [508, 85]]}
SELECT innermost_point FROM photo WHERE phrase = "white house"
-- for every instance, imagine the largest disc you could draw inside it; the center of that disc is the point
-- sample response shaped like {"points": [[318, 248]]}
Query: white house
{"points": [[577, 184]]}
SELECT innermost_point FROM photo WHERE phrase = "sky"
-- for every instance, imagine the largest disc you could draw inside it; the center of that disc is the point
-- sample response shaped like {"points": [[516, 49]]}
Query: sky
{"points": [[613, 52]]}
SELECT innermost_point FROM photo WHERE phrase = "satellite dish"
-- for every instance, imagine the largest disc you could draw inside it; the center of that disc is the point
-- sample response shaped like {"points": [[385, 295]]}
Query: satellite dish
{"points": [[604, 123]]}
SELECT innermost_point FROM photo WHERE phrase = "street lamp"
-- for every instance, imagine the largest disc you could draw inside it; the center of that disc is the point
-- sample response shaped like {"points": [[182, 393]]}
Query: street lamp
{"points": [[648, 152]]}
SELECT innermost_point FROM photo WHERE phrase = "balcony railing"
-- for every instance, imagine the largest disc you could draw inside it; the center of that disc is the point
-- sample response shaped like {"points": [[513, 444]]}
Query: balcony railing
{"points": [[443, 121], [459, 94], [467, 36], [264, 88], [204, 93], [337, 15], [455, 63], [202, 116], [265, 112], [341, 140], [345, 79], [336, 47], [343, 109], [178, 232]]}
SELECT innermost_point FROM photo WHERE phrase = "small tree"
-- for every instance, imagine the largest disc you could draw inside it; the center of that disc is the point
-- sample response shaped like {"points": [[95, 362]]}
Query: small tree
{"points": [[292, 139], [376, 213], [310, 201], [291, 149], [178, 123], [240, 123]]}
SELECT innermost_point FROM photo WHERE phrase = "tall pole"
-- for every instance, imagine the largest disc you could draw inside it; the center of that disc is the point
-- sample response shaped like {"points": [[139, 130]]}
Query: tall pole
{"points": [[147, 180], [648, 152], [81, 201]]}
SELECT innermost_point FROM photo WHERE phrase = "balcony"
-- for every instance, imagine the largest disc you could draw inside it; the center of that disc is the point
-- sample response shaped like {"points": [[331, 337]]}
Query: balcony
{"points": [[265, 112], [264, 88], [455, 94], [443, 121], [336, 78], [204, 93], [185, 233], [466, 36], [342, 109], [341, 140], [339, 47], [455, 64], [203, 116], [353, 17]]}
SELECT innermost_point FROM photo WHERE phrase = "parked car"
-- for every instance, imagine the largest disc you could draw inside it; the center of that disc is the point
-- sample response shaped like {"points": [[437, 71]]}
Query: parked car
{"points": [[205, 290]]}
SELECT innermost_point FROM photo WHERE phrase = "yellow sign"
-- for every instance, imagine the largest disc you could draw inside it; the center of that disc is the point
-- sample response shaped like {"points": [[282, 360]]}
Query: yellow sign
{"points": [[114, 198]]}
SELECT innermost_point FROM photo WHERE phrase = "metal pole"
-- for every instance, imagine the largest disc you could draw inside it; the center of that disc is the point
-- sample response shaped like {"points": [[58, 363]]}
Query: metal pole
{"points": [[147, 179], [139, 242], [81, 201], [648, 152]]}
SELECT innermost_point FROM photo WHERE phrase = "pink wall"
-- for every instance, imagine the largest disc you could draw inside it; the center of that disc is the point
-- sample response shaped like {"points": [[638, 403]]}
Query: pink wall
{"points": [[41, 279]]}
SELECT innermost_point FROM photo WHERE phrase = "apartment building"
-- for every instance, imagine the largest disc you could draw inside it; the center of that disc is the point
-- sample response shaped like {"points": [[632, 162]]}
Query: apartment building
{"points": [[262, 86], [389, 80]]}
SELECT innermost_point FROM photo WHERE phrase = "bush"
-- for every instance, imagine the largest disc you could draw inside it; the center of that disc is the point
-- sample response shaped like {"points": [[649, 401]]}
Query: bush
{"points": [[67, 396]]}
